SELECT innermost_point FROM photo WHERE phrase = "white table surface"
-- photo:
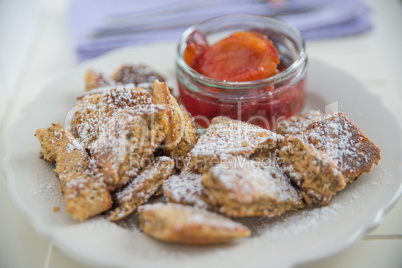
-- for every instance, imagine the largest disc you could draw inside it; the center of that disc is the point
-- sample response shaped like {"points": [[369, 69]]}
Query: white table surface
{"points": [[37, 50]]}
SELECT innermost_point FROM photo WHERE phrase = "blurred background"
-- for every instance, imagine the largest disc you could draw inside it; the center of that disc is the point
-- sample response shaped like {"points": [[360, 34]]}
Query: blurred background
{"points": [[41, 39], [93, 27]]}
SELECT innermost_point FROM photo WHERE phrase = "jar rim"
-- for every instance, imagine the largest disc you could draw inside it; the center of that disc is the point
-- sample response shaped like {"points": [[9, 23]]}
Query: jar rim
{"points": [[290, 70]]}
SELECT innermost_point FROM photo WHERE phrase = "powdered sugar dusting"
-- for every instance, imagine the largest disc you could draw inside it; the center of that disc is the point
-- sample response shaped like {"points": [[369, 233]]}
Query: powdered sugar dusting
{"points": [[185, 188], [296, 223], [343, 141], [141, 188], [74, 145], [95, 110], [295, 125], [255, 179], [318, 157], [47, 186], [147, 175], [226, 137], [291, 225]]}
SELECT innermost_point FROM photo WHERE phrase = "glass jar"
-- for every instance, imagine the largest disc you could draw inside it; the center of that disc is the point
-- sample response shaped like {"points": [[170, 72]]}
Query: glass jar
{"points": [[262, 102]]}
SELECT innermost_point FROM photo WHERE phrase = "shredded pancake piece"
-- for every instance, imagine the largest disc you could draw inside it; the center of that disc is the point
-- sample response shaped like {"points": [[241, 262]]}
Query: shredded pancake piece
{"points": [[95, 80], [344, 142], [185, 189], [189, 225], [140, 75], [316, 174], [94, 111], [226, 137], [239, 187], [182, 134], [104, 89], [296, 125], [85, 194], [139, 190], [130, 138]]}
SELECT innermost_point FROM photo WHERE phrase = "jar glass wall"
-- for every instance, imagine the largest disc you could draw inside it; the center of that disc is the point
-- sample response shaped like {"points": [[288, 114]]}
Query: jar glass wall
{"points": [[263, 102]]}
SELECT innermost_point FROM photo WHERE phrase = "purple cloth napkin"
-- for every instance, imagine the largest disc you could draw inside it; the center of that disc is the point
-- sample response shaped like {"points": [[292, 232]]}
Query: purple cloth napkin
{"points": [[98, 26]]}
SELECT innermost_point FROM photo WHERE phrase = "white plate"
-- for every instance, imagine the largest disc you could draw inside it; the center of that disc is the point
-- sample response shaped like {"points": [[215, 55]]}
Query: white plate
{"points": [[286, 241]]}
